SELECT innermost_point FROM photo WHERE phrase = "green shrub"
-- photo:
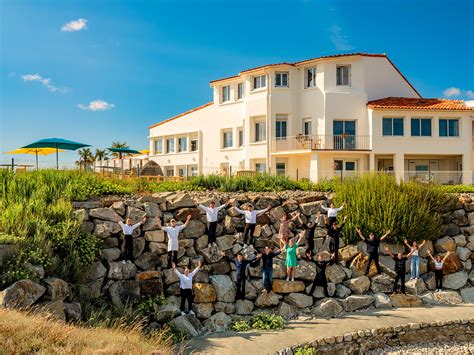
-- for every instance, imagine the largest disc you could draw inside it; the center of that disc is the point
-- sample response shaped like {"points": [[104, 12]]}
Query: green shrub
{"points": [[305, 350], [267, 321], [240, 326], [376, 203], [148, 306], [455, 188], [173, 333]]}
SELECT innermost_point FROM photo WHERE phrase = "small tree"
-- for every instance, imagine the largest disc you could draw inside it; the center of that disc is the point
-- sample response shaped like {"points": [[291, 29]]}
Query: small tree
{"points": [[86, 158], [118, 144], [101, 154]]}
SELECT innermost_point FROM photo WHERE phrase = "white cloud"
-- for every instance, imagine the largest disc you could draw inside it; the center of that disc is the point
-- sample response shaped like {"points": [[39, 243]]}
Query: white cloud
{"points": [[97, 105], [469, 94], [452, 91], [73, 26], [339, 39], [46, 82], [469, 103]]}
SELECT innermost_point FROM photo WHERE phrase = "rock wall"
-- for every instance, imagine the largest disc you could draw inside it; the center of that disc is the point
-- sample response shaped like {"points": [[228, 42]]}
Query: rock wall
{"points": [[214, 285]]}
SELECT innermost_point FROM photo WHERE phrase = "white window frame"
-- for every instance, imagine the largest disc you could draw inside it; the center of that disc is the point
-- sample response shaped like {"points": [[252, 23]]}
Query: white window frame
{"points": [[279, 171], [261, 80], [160, 150], [448, 135], [227, 133], [280, 75], [240, 91], [194, 170], [310, 72], [191, 144], [307, 122], [260, 167], [260, 131], [180, 148], [349, 70], [168, 140], [225, 93], [280, 118], [240, 142]]}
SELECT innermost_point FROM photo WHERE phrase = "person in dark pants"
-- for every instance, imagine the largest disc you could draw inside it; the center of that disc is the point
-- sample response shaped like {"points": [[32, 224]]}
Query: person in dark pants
{"points": [[186, 287], [335, 233], [438, 269], [250, 222], [212, 213], [309, 228], [241, 265], [332, 212], [400, 269], [372, 249], [320, 278], [173, 233], [267, 267], [127, 229]]}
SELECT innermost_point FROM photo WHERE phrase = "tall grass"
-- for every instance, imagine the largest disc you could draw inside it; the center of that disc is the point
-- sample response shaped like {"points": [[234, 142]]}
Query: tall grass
{"points": [[376, 203]]}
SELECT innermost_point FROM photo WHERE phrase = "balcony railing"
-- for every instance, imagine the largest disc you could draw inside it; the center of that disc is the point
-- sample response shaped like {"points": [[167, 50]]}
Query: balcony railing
{"points": [[322, 142], [438, 177]]}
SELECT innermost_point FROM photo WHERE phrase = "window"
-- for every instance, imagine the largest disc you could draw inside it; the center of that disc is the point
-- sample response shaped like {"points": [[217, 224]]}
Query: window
{"points": [[194, 145], [392, 127], [421, 127], [281, 129], [169, 171], [449, 128], [225, 93], [280, 168], [240, 91], [158, 146], [260, 167], [181, 171], [310, 77], [194, 170], [241, 137], [182, 144], [170, 145], [307, 130], [260, 132], [227, 139], [343, 73], [281, 79], [259, 82]]}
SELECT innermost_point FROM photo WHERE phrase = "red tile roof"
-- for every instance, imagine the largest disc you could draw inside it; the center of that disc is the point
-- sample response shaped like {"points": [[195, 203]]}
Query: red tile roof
{"points": [[182, 114], [405, 103]]}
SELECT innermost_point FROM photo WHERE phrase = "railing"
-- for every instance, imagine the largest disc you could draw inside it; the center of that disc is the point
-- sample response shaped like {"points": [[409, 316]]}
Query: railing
{"points": [[438, 177], [322, 142]]}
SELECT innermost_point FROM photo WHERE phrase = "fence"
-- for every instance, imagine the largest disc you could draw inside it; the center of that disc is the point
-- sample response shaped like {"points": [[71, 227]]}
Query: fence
{"points": [[322, 142]]}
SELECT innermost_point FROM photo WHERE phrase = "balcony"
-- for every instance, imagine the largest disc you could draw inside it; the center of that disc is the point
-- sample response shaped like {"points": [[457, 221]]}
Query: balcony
{"points": [[338, 142]]}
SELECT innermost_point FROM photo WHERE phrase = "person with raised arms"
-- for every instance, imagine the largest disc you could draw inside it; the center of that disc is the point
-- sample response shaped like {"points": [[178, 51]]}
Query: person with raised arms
{"points": [[415, 258], [332, 212], [291, 258], [127, 229], [250, 221], [373, 244], [284, 233], [241, 265], [212, 213], [400, 269], [186, 287], [320, 277], [173, 231], [267, 267], [438, 269], [335, 233]]}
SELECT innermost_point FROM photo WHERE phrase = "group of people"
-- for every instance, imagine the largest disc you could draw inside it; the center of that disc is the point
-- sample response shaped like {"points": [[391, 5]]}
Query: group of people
{"points": [[287, 244]]}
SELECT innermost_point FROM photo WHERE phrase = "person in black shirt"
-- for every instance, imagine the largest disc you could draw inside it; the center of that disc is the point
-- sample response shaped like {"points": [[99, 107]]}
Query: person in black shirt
{"points": [[320, 278], [372, 249], [310, 227], [335, 233], [400, 269], [267, 267], [241, 265]]}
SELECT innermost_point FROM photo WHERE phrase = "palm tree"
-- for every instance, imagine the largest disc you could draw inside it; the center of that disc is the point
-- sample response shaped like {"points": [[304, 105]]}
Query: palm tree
{"points": [[86, 158], [101, 154], [118, 144]]}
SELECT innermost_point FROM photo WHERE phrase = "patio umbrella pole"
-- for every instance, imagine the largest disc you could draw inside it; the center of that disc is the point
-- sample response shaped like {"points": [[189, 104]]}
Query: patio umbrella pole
{"points": [[57, 158], [36, 153]]}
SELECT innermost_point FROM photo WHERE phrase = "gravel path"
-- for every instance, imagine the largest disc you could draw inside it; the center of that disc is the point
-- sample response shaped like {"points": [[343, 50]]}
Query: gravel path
{"points": [[437, 348]]}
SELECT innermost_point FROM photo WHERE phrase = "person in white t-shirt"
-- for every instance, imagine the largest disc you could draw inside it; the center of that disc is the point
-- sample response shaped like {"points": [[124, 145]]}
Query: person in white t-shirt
{"points": [[127, 229], [186, 287], [438, 269], [415, 258], [332, 212], [250, 221], [212, 213], [173, 231]]}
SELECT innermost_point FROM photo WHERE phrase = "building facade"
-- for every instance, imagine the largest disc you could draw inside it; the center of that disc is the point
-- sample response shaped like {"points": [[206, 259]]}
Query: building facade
{"points": [[319, 118]]}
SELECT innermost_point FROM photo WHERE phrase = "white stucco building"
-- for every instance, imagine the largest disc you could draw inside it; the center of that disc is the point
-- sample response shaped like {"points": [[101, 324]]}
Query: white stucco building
{"points": [[334, 115]]}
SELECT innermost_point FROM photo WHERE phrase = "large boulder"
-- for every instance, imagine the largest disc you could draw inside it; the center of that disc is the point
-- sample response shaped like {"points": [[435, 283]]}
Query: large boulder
{"points": [[305, 271], [287, 310], [135, 214], [149, 275], [157, 236], [463, 253], [194, 230], [299, 300], [105, 229], [225, 288], [147, 261], [105, 214], [319, 290], [415, 286], [158, 248], [211, 255], [280, 286], [121, 271], [269, 299], [359, 265], [170, 277], [21, 294], [152, 210], [53, 308], [382, 283], [166, 312], [355, 302], [203, 310], [359, 285], [310, 208], [335, 273], [180, 200], [227, 308], [56, 289], [151, 287], [225, 242], [467, 294], [243, 307], [111, 254], [327, 307], [406, 301], [348, 253], [73, 311], [342, 291], [455, 281], [381, 300], [218, 323], [124, 292], [452, 264], [204, 293], [449, 297], [188, 325], [445, 244]]}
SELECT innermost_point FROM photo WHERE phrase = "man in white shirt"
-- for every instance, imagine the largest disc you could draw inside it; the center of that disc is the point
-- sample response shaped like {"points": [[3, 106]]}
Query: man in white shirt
{"points": [[173, 232], [186, 287], [127, 229], [332, 212], [212, 213], [250, 221]]}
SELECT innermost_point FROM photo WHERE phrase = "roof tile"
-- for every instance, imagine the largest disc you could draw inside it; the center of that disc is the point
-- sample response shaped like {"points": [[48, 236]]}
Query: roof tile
{"points": [[405, 103]]}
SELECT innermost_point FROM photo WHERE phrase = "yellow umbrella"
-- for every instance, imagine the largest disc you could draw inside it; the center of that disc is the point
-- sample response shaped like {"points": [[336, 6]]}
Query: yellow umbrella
{"points": [[145, 151], [36, 151]]}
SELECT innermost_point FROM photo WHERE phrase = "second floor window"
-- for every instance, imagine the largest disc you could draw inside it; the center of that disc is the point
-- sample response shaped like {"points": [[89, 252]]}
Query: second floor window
{"points": [[158, 146], [392, 127], [225, 93], [281, 129], [281, 79], [182, 144], [259, 81], [170, 145], [227, 139], [240, 91], [421, 127], [449, 128], [343, 75], [241, 137], [310, 77], [260, 134], [307, 129], [194, 145]]}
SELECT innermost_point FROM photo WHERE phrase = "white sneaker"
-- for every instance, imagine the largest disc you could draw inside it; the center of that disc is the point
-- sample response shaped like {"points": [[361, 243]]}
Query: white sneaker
{"points": [[209, 245], [124, 262], [129, 261], [182, 313], [191, 312], [214, 244], [292, 279], [287, 279]]}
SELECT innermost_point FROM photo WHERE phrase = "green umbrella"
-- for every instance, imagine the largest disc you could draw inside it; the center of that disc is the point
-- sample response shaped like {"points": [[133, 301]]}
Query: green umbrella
{"points": [[57, 143], [124, 150]]}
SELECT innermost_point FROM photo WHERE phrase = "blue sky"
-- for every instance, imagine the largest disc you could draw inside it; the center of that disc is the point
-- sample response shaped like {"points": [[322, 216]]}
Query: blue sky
{"points": [[98, 71]]}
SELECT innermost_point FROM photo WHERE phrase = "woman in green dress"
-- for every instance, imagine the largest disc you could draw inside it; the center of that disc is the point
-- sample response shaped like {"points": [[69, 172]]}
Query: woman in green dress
{"points": [[291, 262]]}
